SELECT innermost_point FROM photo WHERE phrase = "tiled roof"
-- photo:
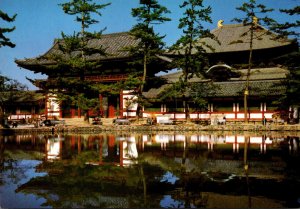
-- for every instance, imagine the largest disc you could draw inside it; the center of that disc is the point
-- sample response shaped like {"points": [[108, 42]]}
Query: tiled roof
{"points": [[231, 38], [25, 96], [263, 81], [256, 88], [113, 44], [255, 74], [263, 74], [231, 89]]}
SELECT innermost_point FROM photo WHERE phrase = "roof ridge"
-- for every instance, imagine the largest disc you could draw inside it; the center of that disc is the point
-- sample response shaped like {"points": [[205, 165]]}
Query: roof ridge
{"points": [[228, 26], [116, 33], [244, 81]]}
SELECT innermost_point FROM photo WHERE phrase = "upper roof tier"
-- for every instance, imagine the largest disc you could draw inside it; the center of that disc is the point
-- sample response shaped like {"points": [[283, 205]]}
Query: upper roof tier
{"points": [[113, 44], [229, 39], [236, 37], [263, 81]]}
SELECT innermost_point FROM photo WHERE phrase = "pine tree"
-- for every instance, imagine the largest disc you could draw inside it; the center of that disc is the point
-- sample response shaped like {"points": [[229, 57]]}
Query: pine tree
{"points": [[72, 59], [4, 41], [151, 44], [191, 57], [11, 91], [251, 10], [292, 62], [286, 29]]}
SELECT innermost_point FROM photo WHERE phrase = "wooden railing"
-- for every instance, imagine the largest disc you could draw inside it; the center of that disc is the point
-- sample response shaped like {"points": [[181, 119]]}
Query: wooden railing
{"points": [[230, 116], [107, 78]]}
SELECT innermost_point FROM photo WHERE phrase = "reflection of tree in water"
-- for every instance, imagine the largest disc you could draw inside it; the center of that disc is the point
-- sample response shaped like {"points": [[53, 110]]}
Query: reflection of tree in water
{"points": [[75, 184], [190, 193], [10, 165], [1, 153], [186, 191]]}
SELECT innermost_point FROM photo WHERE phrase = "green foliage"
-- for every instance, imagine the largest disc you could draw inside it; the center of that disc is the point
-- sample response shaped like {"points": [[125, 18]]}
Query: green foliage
{"points": [[131, 82], [293, 87], [83, 10], [75, 92], [291, 61], [292, 82], [252, 9], [192, 58], [286, 29], [200, 92], [151, 43], [173, 91], [197, 92], [4, 41], [11, 91], [254, 14], [71, 58]]}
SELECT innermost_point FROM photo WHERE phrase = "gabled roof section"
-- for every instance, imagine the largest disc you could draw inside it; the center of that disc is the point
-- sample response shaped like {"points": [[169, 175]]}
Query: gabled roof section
{"points": [[255, 74], [256, 88], [236, 37], [263, 81], [113, 44]]}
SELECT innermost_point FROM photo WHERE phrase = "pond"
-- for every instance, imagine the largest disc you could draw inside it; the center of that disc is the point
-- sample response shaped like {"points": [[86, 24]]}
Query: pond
{"points": [[154, 170]]}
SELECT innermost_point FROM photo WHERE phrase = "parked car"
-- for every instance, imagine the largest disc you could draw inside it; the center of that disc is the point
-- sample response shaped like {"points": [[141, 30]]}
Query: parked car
{"points": [[121, 121], [97, 121], [52, 122]]}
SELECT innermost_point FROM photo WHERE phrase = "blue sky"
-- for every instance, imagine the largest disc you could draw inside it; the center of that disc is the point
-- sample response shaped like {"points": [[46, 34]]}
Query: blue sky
{"points": [[39, 22]]}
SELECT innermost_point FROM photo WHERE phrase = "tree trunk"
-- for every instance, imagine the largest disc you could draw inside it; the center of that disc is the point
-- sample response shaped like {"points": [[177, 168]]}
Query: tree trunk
{"points": [[138, 110], [1, 116], [1, 153], [144, 184], [246, 93]]}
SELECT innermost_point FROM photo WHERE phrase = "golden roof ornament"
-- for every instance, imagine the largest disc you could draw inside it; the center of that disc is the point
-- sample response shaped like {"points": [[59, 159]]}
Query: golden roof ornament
{"points": [[220, 23], [254, 20]]}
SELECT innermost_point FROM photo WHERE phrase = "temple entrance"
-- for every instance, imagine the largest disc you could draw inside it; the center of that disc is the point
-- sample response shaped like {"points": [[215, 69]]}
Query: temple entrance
{"points": [[110, 106]]}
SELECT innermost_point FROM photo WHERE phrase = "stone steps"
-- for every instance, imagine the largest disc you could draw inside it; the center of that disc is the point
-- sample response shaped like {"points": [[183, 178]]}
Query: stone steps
{"points": [[107, 121], [81, 123], [75, 122]]}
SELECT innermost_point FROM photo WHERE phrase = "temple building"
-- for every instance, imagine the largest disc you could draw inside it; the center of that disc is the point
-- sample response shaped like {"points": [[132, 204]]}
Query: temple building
{"points": [[228, 55], [114, 66], [225, 82], [224, 98]]}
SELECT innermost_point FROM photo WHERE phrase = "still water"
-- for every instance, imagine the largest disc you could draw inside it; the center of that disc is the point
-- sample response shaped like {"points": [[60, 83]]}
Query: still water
{"points": [[149, 170]]}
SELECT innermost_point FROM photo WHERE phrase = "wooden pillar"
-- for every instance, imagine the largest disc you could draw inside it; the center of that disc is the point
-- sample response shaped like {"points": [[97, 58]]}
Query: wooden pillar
{"points": [[72, 142], [121, 152], [72, 113], [60, 148], [90, 142], [111, 109], [101, 105], [60, 112], [46, 106], [121, 104], [79, 144], [79, 112], [46, 149], [100, 144]]}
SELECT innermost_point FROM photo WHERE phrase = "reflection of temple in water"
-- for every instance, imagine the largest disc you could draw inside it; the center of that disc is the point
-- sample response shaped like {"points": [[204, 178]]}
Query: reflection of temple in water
{"points": [[53, 147], [124, 149], [210, 141]]}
